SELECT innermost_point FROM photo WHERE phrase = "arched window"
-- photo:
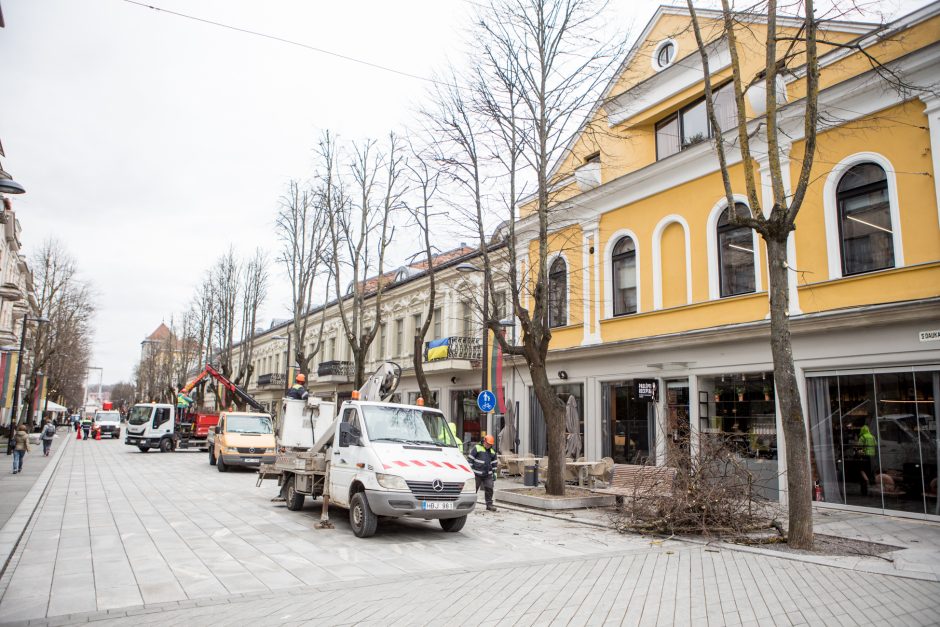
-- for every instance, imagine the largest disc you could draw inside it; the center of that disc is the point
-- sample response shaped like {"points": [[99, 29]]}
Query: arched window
{"points": [[735, 253], [865, 229], [558, 294], [623, 270]]}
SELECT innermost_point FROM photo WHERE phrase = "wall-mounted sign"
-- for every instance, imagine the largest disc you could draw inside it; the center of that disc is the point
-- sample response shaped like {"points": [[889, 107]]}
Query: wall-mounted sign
{"points": [[930, 336], [647, 389]]}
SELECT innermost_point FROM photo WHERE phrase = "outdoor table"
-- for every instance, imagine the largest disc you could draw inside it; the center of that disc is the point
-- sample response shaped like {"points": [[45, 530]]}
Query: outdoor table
{"points": [[582, 469], [517, 465]]}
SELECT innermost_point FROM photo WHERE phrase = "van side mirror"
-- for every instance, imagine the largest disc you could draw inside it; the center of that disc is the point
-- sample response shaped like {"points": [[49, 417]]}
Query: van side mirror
{"points": [[217, 429]]}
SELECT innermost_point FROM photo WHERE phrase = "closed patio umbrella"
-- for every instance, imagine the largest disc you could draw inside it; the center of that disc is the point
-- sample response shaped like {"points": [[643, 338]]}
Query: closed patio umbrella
{"points": [[573, 427], [507, 436]]}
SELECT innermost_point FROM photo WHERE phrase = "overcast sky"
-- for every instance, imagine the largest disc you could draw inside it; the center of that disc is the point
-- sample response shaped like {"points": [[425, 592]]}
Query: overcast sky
{"points": [[149, 143]]}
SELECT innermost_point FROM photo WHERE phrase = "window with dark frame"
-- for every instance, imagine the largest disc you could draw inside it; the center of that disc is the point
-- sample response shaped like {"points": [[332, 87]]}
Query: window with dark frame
{"points": [[557, 294], [735, 254], [866, 236], [623, 270], [665, 54], [690, 126]]}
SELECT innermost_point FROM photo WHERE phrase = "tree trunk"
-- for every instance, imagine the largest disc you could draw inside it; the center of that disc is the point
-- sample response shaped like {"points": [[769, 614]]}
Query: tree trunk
{"points": [[799, 497], [554, 413], [418, 361]]}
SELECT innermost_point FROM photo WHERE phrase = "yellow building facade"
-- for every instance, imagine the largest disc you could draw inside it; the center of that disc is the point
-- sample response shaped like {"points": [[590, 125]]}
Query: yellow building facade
{"points": [[657, 284]]}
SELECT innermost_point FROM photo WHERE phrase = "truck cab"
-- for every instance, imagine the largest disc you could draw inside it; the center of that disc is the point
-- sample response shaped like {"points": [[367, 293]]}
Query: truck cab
{"points": [[242, 439], [150, 425], [399, 460]]}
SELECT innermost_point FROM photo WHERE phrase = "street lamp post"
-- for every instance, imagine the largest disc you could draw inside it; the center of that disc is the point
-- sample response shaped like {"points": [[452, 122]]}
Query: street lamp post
{"points": [[15, 419]]}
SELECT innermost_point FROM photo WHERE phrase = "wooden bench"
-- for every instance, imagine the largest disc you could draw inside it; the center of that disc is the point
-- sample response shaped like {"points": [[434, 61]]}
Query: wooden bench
{"points": [[639, 481]]}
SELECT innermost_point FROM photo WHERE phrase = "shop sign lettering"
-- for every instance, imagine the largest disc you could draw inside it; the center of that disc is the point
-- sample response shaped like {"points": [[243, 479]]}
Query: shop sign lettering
{"points": [[930, 336]]}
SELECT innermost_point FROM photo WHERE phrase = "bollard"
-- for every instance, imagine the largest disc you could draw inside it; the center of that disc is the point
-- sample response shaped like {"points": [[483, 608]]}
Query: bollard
{"points": [[530, 476]]}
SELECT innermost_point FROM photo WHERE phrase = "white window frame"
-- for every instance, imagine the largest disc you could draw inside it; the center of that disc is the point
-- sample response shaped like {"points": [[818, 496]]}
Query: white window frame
{"points": [[831, 210], [609, 272], [714, 278], [654, 59]]}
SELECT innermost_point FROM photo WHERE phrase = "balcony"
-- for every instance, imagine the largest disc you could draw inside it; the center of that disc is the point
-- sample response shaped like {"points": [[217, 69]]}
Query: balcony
{"points": [[334, 371], [10, 292], [273, 378], [452, 354]]}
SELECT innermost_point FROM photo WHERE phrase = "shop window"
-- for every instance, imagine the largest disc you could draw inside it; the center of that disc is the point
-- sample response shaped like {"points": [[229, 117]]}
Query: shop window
{"points": [[558, 294], [628, 427], [690, 125], [865, 230], [538, 438], [740, 409], [623, 270], [875, 439], [735, 254], [413, 398]]}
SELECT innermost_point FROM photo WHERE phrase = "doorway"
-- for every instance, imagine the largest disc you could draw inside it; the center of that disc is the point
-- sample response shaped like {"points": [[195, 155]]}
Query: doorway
{"points": [[628, 425], [677, 426]]}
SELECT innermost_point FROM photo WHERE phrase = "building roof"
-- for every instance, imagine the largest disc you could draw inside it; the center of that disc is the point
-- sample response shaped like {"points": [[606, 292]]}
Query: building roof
{"points": [[161, 333]]}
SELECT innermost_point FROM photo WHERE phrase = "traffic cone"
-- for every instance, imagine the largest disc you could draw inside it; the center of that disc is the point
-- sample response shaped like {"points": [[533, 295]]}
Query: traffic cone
{"points": [[97, 434], [78, 434]]}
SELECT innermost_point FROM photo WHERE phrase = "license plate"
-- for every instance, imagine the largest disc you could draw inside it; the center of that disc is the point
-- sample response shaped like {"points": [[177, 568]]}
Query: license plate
{"points": [[437, 505], [252, 460], [132, 440]]}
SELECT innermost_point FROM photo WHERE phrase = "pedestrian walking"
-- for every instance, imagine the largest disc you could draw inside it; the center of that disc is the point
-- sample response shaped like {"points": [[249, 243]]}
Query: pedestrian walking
{"points": [[48, 433], [483, 460], [20, 448]]}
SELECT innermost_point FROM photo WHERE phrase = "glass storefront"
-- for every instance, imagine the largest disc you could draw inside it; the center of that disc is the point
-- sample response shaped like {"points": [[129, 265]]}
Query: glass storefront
{"points": [[741, 408], [875, 438], [538, 442], [628, 427], [471, 422]]}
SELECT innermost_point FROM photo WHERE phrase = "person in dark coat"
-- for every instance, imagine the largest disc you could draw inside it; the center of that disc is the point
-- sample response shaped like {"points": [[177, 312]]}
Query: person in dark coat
{"points": [[483, 461]]}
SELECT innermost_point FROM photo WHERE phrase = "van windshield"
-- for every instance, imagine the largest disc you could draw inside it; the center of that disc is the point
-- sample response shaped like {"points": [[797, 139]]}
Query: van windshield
{"points": [[140, 414], [235, 423], [405, 424], [108, 416]]}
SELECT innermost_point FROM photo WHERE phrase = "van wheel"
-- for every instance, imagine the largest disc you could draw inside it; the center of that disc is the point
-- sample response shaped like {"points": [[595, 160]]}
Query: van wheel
{"points": [[144, 449], [211, 457], [363, 521], [295, 500], [453, 525], [166, 445], [220, 464]]}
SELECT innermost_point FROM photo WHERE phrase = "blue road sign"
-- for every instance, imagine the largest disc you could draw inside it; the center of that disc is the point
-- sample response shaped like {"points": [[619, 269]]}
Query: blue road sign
{"points": [[486, 401]]}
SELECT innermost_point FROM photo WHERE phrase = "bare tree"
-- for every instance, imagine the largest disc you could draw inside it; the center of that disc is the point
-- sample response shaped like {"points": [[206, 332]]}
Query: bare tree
{"points": [[301, 226], [540, 71], [254, 290], [426, 180], [226, 292], [60, 347], [360, 232]]}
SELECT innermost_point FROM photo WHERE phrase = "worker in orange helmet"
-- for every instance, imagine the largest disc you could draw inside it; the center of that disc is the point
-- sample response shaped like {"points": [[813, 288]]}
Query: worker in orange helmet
{"points": [[483, 461], [298, 390]]}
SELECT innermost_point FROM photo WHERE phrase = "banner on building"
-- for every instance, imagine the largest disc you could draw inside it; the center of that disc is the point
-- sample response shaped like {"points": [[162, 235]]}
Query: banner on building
{"points": [[7, 367], [39, 394]]}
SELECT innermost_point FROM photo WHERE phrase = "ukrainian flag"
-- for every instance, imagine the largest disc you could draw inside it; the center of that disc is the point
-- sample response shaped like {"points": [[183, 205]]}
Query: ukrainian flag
{"points": [[438, 349]]}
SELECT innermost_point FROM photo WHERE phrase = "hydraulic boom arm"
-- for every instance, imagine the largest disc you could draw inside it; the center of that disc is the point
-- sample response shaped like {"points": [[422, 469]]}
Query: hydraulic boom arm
{"points": [[239, 393]]}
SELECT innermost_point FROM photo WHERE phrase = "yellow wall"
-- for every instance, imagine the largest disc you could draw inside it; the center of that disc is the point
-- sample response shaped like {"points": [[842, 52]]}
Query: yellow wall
{"points": [[898, 133]]}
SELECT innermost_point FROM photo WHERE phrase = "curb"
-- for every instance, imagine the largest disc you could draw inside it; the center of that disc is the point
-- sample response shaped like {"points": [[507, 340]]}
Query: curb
{"points": [[14, 529]]}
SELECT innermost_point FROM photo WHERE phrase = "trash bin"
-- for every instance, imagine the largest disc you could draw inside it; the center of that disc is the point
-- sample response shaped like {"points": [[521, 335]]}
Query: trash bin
{"points": [[530, 476]]}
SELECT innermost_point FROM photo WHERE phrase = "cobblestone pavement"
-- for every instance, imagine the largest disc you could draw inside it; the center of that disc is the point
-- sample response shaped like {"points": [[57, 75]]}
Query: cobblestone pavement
{"points": [[126, 538], [14, 487]]}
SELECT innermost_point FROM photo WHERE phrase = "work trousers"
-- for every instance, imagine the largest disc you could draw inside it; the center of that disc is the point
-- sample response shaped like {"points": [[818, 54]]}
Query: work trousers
{"points": [[487, 483]]}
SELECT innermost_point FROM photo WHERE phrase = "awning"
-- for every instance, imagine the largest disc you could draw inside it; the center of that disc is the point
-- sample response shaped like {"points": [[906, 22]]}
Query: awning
{"points": [[55, 407]]}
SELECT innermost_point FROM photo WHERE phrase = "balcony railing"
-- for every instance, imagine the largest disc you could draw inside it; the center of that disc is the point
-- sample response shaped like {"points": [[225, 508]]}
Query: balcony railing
{"points": [[272, 378], [470, 348], [334, 369]]}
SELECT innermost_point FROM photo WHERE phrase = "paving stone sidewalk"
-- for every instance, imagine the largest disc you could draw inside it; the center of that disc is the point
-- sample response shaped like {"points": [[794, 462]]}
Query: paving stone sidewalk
{"points": [[15, 487]]}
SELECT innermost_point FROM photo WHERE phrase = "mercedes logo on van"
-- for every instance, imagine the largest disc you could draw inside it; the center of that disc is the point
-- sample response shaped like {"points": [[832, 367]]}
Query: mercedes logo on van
{"points": [[251, 450], [438, 485]]}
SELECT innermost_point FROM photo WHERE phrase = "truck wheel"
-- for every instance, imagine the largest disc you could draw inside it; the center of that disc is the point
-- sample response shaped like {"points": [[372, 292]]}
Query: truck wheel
{"points": [[166, 445], [361, 518], [144, 449], [211, 457], [220, 464], [453, 525], [295, 500]]}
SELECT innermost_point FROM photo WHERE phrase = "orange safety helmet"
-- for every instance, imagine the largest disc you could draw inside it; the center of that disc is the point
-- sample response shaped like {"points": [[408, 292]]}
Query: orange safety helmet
{"points": [[489, 439], [301, 378]]}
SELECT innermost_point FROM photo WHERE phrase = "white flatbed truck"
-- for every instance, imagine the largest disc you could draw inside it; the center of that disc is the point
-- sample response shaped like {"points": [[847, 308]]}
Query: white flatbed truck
{"points": [[374, 458]]}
